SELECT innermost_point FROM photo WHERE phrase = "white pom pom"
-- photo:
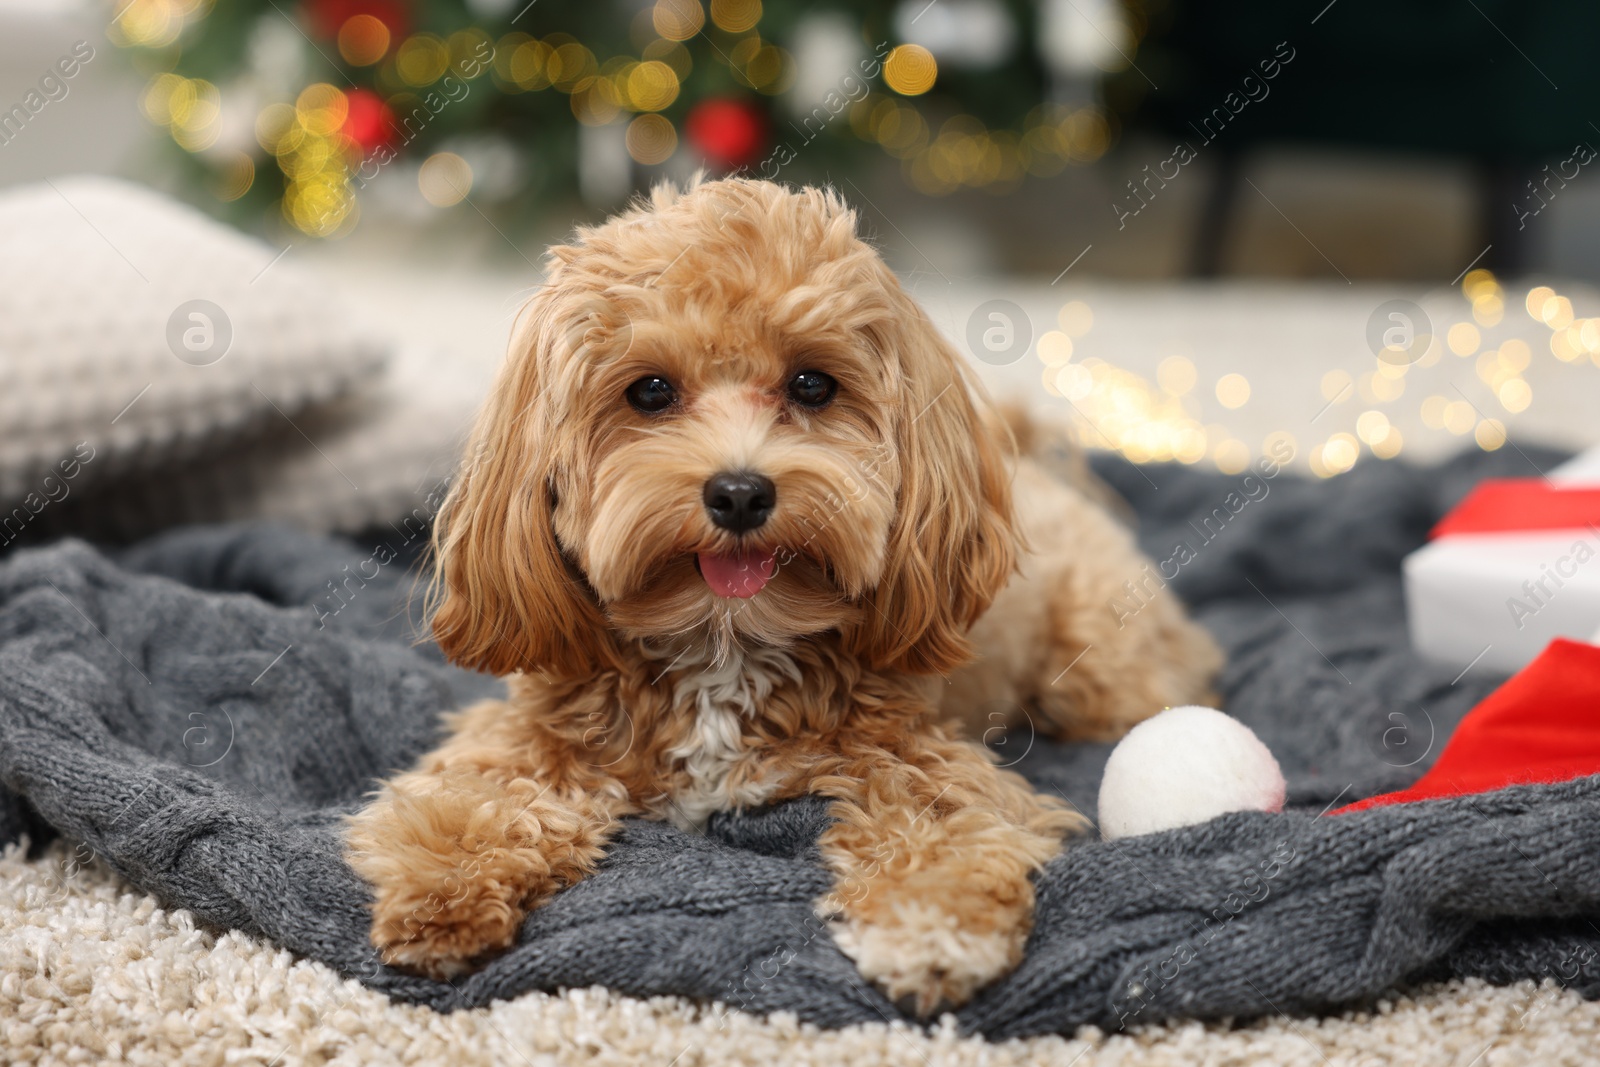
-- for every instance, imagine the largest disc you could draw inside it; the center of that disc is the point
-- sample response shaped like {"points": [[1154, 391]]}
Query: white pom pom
{"points": [[1182, 767]]}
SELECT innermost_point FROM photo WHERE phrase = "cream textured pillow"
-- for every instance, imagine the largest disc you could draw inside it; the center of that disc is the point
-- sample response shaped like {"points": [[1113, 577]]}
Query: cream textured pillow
{"points": [[136, 333], [379, 457]]}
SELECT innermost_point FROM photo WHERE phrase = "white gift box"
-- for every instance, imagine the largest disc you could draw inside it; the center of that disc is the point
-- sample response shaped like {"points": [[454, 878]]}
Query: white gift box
{"points": [[1491, 602]]}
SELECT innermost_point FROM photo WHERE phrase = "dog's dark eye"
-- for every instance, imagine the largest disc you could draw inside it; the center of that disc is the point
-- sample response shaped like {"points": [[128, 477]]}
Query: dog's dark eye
{"points": [[812, 389], [652, 395]]}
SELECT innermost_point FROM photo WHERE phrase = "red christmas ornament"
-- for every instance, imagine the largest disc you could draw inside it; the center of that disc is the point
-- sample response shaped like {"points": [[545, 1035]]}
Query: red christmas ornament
{"points": [[369, 122], [326, 16], [728, 133]]}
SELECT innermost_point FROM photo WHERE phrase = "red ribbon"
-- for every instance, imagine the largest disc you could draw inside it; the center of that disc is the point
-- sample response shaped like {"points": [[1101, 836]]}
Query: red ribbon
{"points": [[1509, 504]]}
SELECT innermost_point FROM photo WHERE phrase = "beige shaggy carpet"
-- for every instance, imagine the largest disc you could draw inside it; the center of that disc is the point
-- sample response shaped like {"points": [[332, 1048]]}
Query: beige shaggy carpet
{"points": [[91, 972]]}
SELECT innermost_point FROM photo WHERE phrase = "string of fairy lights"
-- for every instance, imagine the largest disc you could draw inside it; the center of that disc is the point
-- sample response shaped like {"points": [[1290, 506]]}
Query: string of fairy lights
{"points": [[317, 137], [1163, 420]]}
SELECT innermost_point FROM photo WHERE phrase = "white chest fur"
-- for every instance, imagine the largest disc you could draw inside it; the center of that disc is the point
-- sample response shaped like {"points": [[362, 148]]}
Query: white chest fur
{"points": [[724, 696]]}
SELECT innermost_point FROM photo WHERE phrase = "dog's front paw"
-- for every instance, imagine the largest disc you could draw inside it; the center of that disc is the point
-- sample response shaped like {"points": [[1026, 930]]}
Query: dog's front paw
{"points": [[443, 931], [931, 942], [452, 876]]}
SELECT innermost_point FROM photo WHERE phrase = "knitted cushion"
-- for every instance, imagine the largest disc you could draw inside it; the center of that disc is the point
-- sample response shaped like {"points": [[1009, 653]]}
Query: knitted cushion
{"points": [[135, 332], [379, 455]]}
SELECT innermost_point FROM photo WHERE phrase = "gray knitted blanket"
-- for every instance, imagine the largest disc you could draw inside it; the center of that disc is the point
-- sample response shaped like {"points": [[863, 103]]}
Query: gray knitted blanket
{"points": [[199, 710]]}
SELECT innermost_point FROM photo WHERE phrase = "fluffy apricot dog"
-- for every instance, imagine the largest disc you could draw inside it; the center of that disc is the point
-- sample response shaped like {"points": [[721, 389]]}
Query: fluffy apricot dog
{"points": [[728, 518]]}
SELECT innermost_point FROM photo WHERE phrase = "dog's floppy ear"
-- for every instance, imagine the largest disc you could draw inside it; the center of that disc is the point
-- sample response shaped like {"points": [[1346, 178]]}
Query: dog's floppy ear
{"points": [[504, 598], [953, 544]]}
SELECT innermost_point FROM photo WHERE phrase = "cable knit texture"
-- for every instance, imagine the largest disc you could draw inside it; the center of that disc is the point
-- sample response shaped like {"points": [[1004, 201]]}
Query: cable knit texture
{"points": [[201, 709]]}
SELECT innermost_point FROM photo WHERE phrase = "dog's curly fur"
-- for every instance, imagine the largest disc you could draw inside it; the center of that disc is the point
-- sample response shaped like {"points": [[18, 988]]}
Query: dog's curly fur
{"points": [[567, 560]]}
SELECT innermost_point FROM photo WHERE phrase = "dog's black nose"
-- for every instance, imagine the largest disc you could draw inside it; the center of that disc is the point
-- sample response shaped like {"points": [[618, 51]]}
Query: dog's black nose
{"points": [[738, 500]]}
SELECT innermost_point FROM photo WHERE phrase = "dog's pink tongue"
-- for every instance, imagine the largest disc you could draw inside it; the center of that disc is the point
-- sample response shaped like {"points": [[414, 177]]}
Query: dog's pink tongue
{"points": [[741, 575]]}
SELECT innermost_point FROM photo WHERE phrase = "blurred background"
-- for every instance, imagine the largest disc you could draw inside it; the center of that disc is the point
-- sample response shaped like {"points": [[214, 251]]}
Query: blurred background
{"points": [[1189, 228], [1395, 137]]}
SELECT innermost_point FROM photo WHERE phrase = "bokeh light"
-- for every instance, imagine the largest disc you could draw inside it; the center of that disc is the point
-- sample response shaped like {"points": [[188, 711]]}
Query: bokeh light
{"points": [[678, 20], [1372, 426], [445, 179], [910, 70], [651, 139], [190, 108], [1463, 338], [1233, 391], [651, 86], [421, 59], [1055, 347], [1231, 455], [1340, 453], [152, 23], [1490, 434], [235, 177], [1389, 445], [1515, 395], [736, 16], [1458, 417], [764, 67], [527, 69], [321, 109], [1076, 318], [1534, 303], [570, 66], [1120, 410], [363, 40]]}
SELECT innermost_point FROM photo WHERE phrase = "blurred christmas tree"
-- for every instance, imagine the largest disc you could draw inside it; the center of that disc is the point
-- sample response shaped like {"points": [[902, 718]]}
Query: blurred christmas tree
{"points": [[311, 109]]}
